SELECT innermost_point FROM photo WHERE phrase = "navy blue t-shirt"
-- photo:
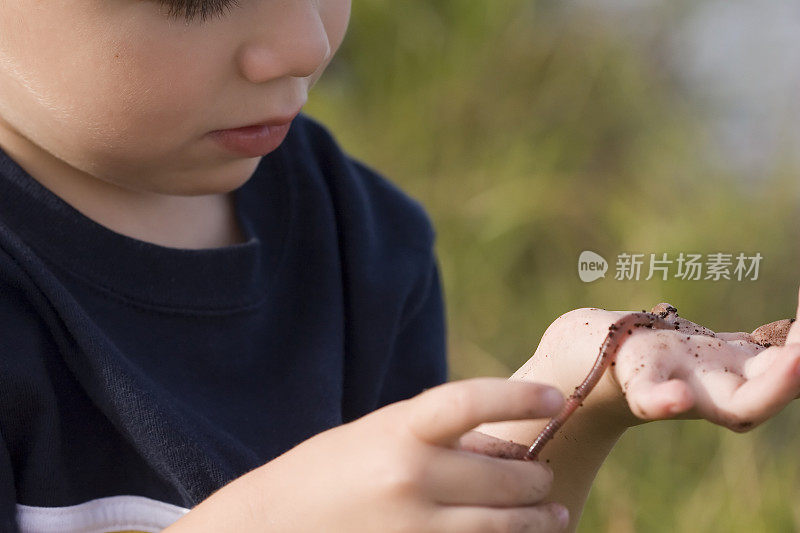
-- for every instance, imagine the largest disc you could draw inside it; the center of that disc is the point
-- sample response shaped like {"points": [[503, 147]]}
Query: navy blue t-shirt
{"points": [[136, 379]]}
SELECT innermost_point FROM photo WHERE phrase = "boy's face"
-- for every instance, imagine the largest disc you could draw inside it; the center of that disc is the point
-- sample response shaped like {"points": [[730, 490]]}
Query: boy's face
{"points": [[120, 90]]}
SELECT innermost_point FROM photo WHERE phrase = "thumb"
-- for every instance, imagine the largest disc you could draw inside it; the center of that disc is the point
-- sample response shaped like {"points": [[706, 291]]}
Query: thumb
{"points": [[794, 331]]}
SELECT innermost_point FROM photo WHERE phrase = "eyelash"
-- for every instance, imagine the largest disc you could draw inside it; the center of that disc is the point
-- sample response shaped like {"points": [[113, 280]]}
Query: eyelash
{"points": [[190, 9]]}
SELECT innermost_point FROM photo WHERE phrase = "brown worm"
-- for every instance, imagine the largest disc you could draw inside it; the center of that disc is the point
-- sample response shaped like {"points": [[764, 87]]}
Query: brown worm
{"points": [[662, 316]]}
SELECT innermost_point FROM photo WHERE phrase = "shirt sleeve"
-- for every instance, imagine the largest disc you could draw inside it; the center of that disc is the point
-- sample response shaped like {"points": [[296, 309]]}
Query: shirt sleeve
{"points": [[419, 359]]}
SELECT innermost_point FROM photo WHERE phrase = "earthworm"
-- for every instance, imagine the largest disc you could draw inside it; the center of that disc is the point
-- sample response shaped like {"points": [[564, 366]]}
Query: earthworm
{"points": [[659, 317]]}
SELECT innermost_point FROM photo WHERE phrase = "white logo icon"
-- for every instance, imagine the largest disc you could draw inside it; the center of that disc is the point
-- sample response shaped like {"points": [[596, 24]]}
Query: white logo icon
{"points": [[591, 266]]}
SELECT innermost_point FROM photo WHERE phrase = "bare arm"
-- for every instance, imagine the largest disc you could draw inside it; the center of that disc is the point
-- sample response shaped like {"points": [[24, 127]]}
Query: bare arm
{"points": [[732, 381], [578, 449]]}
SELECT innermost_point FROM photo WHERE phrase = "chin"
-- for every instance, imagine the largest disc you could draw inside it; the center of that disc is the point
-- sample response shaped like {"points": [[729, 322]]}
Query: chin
{"points": [[221, 181]]}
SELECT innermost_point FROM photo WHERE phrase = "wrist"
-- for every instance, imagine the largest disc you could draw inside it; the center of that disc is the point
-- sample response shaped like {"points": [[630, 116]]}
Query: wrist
{"points": [[604, 414], [606, 404], [575, 454], [564, 359]]}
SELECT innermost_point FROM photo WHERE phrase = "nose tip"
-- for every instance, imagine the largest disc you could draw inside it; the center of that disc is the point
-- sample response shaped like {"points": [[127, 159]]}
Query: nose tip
{"points": [[296, 45]]}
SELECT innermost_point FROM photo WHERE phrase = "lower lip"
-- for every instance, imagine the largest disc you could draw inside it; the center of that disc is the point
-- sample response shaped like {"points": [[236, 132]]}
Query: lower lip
{"points": [[252, 141]]}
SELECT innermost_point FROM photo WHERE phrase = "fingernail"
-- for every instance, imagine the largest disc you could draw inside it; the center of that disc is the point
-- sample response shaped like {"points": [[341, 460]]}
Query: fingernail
{"points": [[553, 399], [563, 515]]}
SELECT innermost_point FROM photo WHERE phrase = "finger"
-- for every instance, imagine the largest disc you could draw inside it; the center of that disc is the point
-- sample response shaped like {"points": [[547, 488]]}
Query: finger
{"points": [[735, 336], [461, 478], [477, 442], [651, 400], [543, 518], [761, 397], [794, 332], [440, 415], [639, 375], [761, 362]]}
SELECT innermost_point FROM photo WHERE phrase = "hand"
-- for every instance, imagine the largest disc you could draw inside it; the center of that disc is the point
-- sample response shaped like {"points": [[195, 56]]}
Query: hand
{"points": [[725, 379], [671, 373], [405, 467]]}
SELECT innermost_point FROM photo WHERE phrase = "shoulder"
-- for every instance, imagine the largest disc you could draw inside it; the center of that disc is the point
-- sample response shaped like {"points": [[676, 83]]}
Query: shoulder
{"points": [[23, 307], [29, 319], [364, 199], [26, 342]]}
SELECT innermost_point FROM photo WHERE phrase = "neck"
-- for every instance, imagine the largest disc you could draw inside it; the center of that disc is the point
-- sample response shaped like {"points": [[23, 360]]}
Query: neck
{"points": [[199, 221]]}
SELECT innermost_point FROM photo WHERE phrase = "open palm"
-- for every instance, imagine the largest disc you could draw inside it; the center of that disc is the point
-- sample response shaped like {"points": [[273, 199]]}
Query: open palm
{"points": [[691, 372]]}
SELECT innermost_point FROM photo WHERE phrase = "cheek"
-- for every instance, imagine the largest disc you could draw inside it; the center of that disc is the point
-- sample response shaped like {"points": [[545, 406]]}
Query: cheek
{"points": [[37, 70], [111, 89], [335, 16], [146, 98]]}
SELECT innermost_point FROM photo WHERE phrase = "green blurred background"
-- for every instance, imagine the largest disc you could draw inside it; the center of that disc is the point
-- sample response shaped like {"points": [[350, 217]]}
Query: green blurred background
{"points": [[531, 132]]}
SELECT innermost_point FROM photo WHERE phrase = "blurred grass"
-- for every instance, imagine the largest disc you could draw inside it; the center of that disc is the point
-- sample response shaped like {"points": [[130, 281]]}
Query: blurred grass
{"points": [[530, 132]]}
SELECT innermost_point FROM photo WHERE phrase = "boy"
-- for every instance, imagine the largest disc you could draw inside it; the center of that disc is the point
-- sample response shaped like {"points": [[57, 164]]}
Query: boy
{"points": [[215, 325]]}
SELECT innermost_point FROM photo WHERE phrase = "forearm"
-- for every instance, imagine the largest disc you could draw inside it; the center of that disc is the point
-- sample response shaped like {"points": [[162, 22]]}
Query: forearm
{"points": [[575, 454], [229, 509], [577, 450]]}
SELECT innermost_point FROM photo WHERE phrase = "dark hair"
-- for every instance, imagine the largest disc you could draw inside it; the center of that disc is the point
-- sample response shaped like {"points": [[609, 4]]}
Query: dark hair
{"points": [[190, 9]]}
